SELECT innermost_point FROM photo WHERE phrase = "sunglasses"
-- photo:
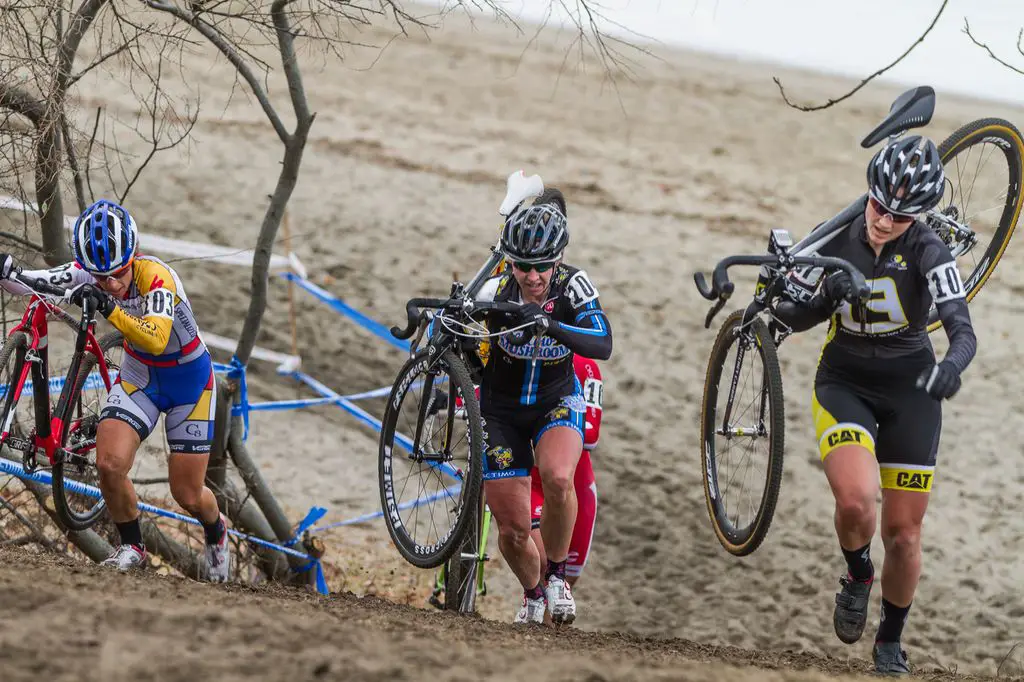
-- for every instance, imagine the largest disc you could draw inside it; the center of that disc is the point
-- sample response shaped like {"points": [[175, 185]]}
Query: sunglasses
{"points": [[883, 211], [539, 267], [112, 277]]}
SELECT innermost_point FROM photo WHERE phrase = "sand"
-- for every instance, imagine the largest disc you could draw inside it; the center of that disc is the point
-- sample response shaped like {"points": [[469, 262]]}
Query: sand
{"points": [[693, 159]]}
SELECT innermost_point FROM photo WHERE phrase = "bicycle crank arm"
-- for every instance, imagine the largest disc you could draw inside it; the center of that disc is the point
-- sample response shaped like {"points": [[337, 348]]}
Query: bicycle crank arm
{"points": [[20, 444]]}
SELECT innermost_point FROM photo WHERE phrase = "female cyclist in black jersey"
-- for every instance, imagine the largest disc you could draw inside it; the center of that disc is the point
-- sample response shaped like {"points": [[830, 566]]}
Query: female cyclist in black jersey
{"points": [[877, 392], [532, 407]]}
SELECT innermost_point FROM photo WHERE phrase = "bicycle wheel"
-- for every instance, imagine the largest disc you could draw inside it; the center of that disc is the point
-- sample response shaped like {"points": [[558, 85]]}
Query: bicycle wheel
{"points": [[749, 413], [462, 571], [431, 449], [17, 417], [75, 476], [984, 162]]}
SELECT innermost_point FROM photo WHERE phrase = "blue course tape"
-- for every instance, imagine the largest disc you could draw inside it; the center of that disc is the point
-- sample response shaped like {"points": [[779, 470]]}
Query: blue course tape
{"points": [[93, 381], [15, 469], [340, 306], [447, 492]]}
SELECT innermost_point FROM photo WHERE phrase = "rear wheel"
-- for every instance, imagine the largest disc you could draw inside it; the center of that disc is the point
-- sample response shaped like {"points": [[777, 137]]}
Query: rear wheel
{"points": [[462, 572], [75, 475], [984, 164], [742, 433]]}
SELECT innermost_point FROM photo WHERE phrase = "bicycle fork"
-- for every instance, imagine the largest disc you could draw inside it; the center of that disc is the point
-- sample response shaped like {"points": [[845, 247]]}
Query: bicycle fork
{"points": [[744, 343]]}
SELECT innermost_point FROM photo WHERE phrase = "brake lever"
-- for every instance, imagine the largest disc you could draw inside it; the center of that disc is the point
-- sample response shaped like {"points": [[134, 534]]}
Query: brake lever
{"points": [[714, 311], [425, 320]]}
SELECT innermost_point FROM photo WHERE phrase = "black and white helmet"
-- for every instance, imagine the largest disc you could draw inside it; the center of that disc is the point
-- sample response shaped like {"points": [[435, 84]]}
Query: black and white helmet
{"points": [[906, 176], [535, 234]]}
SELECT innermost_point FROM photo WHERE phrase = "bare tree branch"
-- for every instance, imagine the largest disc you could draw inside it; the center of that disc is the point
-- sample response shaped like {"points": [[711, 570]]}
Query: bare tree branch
{"points": [[36, 534], [88, 152], [867, 80], [69, 145], [232, 55], [967, 30]]}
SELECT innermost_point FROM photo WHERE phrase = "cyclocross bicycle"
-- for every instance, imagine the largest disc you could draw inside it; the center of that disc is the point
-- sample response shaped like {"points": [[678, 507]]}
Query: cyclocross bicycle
{"points": [[66, 435], [431, 454], [983, 204]]}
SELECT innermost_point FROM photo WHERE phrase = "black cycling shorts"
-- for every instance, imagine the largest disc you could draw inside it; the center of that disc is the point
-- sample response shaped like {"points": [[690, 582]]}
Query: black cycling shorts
{"points": [[896, 421], [511, 431]]}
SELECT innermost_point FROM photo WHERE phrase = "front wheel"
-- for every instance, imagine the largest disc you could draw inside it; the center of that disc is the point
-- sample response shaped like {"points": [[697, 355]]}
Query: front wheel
{"points": [[75, 475], [984, 164], [431, 458], [742, 433]]}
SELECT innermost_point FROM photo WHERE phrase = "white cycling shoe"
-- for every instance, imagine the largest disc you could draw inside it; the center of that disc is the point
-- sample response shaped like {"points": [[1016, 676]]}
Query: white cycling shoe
{"points": [[532, 611], [560, 601], [126, 557], [218, 558]]}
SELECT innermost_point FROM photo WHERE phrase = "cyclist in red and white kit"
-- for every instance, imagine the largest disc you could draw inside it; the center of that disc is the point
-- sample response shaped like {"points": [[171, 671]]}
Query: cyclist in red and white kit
{"points": [[589, 375]]}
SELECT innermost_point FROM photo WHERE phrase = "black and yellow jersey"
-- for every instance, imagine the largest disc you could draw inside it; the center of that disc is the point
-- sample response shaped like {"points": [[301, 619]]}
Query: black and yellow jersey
{"points": [[911, 272]]}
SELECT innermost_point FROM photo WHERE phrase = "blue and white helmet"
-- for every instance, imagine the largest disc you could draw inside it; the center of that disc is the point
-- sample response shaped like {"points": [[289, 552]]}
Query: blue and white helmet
{"points": [[105, 238]]}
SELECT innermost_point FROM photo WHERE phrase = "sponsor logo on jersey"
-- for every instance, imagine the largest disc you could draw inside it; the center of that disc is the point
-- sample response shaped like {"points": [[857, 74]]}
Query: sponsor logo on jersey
{"points": [[896, 262], [550, 349]]}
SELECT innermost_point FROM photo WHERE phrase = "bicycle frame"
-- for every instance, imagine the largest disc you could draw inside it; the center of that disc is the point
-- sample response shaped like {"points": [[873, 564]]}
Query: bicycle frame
{"points": [[49, 426]]}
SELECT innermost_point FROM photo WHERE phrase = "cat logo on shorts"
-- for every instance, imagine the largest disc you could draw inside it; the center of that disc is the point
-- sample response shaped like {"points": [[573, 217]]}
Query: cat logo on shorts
{"points": [[844, 437], [501, 456], [560, 412], [913, 480]]}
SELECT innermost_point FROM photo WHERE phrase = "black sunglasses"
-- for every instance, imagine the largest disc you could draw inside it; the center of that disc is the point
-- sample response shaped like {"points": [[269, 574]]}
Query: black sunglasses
{"points": [[884, 210], [539, 267]]}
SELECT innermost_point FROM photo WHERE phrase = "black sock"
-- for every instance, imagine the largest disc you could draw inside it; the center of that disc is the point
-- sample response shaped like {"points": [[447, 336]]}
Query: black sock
{"points": [[890, 624], [130, 532], [214, 531], [536, 593], [556, 568], [858, 562]]}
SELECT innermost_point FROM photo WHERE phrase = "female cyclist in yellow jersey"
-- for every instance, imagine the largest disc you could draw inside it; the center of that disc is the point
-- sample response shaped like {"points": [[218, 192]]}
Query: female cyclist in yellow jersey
{"points": [[167, 369]]}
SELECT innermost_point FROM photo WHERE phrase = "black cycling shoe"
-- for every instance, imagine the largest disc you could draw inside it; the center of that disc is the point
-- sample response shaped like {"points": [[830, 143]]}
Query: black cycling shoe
{"points": [[851, 612], [890, 659]]}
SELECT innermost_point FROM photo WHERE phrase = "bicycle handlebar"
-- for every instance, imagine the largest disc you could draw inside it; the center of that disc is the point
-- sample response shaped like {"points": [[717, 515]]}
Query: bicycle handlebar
{"points": [[38, 284], [415, 315], [722, 288]]}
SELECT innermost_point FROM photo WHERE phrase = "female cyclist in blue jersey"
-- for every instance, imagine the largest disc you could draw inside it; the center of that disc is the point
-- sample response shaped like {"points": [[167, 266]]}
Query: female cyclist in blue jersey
{"points": [[533, 409], [877, 392], [166, 369]]}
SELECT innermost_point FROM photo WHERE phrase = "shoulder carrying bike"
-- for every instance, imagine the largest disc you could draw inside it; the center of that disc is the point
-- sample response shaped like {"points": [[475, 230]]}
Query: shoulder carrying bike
{"points": [[746, 412], [65, 437]]}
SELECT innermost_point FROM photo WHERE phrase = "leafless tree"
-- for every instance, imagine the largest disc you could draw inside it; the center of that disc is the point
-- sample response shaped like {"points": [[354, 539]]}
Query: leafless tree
{"points": [[49, 141], [832, 101]]}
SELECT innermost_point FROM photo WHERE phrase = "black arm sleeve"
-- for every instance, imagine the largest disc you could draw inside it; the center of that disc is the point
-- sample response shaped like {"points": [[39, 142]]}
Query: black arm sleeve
{"points": [[590, 337], [948, 295], [956, 320]]}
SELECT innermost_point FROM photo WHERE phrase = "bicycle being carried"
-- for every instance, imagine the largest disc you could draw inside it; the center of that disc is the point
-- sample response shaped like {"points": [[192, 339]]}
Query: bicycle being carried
{"points": [[65, 436], [443, 377], [754, 333]]}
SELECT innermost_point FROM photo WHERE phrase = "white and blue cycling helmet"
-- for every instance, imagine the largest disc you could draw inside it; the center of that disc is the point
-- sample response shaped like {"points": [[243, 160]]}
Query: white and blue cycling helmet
{"points": [[104, 239]]}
